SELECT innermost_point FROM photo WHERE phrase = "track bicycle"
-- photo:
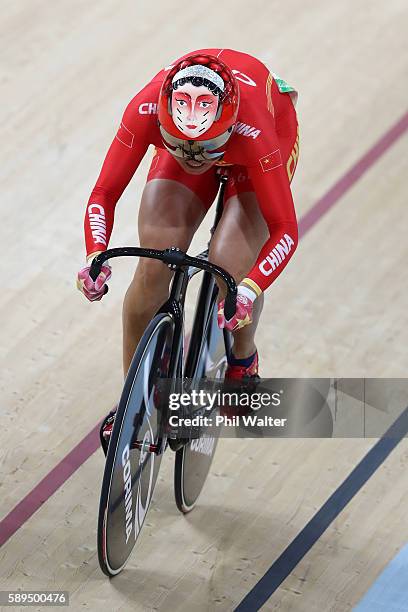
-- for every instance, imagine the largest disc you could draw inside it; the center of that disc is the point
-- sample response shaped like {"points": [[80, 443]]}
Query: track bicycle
{"points": [[141, 432]]}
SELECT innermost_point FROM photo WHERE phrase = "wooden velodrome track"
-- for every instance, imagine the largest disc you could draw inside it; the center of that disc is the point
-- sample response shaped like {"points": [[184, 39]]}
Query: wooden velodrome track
{"points": [[68, 69]]}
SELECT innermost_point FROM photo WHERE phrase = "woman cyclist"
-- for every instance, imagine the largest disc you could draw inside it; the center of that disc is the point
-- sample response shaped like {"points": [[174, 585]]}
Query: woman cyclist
{"points": [[212, 110]]}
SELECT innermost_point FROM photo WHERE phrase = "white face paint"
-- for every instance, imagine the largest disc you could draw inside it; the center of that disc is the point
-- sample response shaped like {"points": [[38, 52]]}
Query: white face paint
{"points": [[193, 109]]}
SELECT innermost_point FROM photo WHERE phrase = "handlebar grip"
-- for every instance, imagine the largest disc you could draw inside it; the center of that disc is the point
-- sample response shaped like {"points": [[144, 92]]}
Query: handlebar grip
{"points": [[96, 268], [94, 272], [230, 305]]}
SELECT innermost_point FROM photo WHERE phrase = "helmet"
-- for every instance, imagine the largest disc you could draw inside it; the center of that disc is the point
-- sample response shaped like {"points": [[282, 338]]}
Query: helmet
{"points": [[198, 107]]}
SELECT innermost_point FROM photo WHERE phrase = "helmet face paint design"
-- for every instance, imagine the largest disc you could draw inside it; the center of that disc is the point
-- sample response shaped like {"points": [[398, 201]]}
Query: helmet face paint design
{"points": [[198, 107], [194, 108]]}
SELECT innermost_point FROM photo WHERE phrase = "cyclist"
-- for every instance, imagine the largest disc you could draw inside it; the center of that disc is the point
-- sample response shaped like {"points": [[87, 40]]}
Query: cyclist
{"points": [[212, 110]]}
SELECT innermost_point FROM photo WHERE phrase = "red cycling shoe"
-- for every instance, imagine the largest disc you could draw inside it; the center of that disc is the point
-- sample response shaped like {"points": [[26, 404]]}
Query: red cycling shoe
{"points": [[243, 379], [238, 372], [105, 430]]}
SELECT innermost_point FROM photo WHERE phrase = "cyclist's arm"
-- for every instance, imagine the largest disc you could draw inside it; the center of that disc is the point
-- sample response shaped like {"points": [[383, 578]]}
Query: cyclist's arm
{"points": [[274, 195], [124, 156]]}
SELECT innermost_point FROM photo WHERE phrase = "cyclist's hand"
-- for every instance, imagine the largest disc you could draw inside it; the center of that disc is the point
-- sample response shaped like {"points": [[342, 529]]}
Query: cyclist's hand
{"points": [[242, 316], [93, 290]]}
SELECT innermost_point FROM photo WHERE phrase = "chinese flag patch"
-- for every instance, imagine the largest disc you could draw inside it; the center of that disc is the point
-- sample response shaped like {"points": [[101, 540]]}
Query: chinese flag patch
{"points": [[271, 161]]}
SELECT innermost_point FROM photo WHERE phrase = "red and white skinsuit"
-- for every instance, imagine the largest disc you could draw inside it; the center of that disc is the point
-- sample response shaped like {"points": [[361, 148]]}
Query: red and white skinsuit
{"points": [[261, 154]]}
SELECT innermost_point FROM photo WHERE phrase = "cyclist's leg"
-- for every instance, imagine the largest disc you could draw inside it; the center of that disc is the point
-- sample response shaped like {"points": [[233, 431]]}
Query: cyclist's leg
{"points": [[172, 207], [242, 228]]}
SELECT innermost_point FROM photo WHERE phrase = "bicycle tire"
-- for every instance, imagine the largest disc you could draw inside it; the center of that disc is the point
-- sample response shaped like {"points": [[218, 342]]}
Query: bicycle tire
{"points": [[193, 461], [121, 511]]}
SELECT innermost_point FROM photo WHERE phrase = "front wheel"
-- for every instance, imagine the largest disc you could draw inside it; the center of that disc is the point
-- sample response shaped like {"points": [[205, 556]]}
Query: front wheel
{"points": [[135, 448]]}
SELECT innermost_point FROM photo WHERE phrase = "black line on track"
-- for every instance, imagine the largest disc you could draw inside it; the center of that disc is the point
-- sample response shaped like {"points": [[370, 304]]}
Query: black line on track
{"points": [[297, 549]]}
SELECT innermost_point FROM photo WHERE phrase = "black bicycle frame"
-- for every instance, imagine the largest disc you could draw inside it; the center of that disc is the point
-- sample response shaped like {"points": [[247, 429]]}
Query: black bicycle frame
{"points": [[185, 268]]}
